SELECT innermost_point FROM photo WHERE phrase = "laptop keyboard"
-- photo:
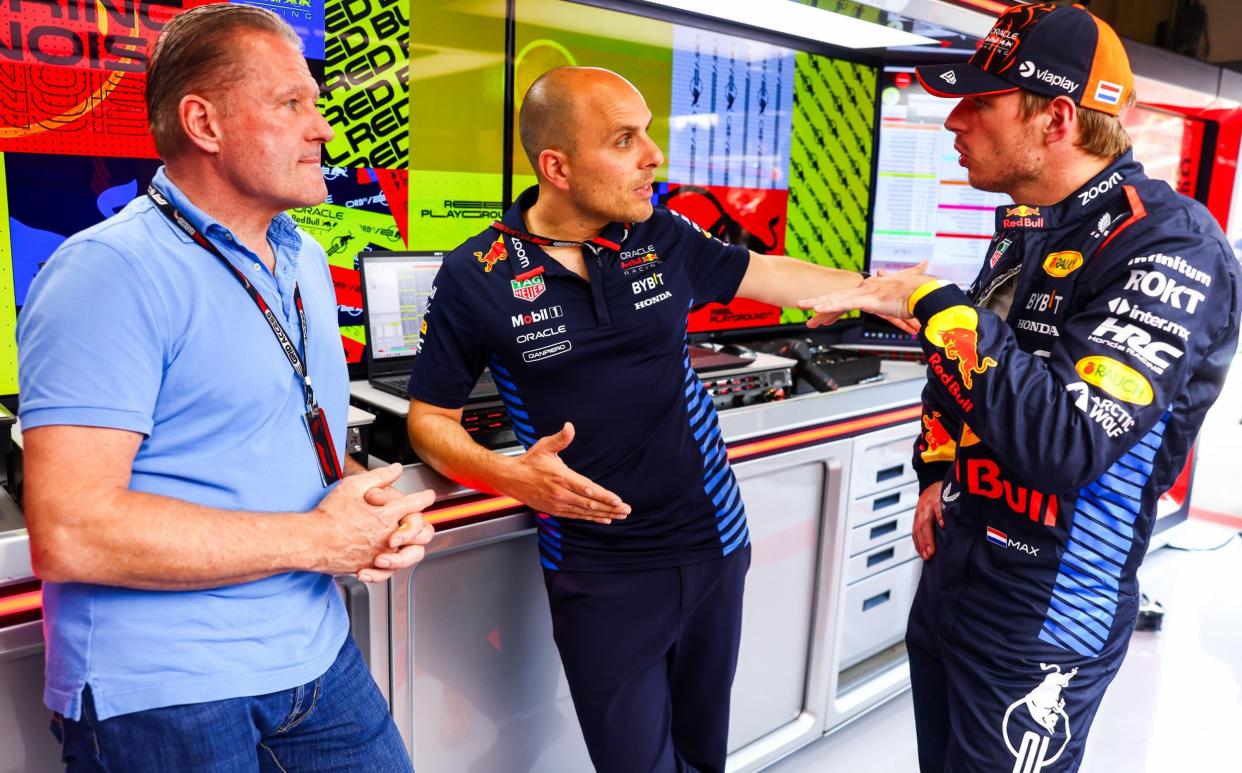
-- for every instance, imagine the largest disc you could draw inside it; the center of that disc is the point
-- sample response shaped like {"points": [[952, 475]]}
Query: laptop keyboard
{"points": [[396, 385]]}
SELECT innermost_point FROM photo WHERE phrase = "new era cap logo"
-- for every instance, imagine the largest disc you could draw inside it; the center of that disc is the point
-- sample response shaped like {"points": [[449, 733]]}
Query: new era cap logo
{"points": [[949, 77], [1027, 69]]}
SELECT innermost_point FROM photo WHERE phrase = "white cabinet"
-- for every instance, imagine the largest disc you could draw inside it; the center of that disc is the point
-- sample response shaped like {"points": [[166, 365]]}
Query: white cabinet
{"points": [[877, 575]]}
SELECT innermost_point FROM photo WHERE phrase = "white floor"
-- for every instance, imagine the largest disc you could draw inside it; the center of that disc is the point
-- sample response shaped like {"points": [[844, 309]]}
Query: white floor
{"points": [[1176, 704]]}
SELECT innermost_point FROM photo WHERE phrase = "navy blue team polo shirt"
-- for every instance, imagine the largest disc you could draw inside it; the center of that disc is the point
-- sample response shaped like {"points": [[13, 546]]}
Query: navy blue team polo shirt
{"points": [[609, 355]]}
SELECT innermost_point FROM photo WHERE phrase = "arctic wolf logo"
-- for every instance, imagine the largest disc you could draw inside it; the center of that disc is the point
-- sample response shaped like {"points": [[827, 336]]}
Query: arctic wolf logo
{"points": [[1046, 708]]}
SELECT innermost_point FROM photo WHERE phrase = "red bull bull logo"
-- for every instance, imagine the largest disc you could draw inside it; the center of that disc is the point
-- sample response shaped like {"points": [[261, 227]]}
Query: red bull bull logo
{"points": [[956, 331], [939, 443], [1022, 210], [1022, 216], [641, 260], [1038, 736], [495, 254]]}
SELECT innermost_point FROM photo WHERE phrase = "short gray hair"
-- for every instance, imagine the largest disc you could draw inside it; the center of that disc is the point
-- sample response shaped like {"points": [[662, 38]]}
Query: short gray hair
{"points": [[193, 55]]}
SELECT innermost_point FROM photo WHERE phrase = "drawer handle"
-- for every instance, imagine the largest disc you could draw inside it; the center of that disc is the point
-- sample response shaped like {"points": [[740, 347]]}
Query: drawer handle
{"points": [[880, 503], [885, 528], [889, 472], [877, 600], [881, 557]]}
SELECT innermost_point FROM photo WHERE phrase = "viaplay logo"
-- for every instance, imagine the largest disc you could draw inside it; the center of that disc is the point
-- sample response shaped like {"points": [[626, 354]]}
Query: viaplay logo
{"points": [[1028, 70]]}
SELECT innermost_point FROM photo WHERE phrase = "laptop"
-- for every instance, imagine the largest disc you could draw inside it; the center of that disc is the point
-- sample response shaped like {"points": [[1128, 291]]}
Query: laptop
{"points": [[396, 287]]}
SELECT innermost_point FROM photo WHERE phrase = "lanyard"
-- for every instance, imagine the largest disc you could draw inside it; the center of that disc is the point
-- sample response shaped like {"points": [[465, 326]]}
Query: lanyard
{"points": [[594, 245], [316, 422]]}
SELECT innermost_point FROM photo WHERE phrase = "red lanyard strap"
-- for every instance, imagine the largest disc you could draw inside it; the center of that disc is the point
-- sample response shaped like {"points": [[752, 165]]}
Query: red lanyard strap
{"points": [[286, 345], [594, 245], [316, 422]]}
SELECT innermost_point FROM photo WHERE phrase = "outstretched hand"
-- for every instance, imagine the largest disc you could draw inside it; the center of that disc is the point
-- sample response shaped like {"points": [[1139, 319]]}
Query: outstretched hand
{"points": [[547, 485], [911, 326], [885, 295]]}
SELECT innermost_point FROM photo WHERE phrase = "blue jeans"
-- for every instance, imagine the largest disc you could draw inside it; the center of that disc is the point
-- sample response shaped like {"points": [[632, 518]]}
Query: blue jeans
{"points": [[339, 722]]}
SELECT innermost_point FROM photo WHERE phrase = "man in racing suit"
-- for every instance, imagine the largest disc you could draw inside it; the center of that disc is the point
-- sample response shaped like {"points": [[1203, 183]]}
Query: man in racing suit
{"points": [[1065, 389]]}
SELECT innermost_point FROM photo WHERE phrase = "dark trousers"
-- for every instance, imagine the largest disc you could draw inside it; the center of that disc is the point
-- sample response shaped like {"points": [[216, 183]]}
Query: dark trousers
{"points": [[1005, 713], [650, 657]]}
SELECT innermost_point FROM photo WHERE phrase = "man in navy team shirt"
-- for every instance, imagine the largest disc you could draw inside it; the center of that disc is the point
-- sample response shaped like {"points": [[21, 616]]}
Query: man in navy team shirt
{"points": [[577, 302]]}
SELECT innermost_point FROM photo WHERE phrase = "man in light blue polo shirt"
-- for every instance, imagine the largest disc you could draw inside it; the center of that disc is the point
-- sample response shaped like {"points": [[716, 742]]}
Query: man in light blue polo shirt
{"points": [[182, 379]]}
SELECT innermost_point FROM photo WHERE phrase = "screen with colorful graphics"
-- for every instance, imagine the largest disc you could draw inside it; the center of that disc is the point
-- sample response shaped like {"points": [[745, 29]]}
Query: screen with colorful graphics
{"points": [[924, 207], [765, 146], [75, 147]]}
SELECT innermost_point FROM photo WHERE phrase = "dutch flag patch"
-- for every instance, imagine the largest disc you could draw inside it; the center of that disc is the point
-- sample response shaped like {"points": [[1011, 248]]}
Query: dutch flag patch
{"points": [[998, 537], [1108, 93]]}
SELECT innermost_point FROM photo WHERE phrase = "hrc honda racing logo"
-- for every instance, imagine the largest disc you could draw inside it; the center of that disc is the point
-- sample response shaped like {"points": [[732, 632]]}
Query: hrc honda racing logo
{"points": [[1039, 723]]}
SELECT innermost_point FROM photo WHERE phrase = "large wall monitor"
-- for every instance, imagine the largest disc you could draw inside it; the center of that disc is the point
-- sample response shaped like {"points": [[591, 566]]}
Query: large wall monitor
{"points": [[924, 207]]}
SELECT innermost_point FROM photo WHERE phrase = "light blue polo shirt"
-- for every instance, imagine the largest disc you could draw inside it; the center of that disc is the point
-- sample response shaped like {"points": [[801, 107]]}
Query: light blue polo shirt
{"points": [[132, 326]]}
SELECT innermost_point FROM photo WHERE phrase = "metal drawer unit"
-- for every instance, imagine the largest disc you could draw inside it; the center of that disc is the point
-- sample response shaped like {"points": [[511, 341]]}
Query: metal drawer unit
{"points": [[875, 611], [882, 569], [882, 460]]}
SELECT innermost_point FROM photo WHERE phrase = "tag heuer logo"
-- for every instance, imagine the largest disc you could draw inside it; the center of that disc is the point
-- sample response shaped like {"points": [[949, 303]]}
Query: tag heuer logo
{"points": [[528, 289], [949, 77]]}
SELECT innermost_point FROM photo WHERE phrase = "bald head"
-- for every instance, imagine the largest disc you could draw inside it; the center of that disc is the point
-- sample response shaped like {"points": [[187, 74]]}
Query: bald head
{"points": [[549, 117]]}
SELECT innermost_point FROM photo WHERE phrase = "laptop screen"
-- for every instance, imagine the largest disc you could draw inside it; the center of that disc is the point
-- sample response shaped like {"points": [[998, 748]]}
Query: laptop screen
{"points": [[396, 288]]}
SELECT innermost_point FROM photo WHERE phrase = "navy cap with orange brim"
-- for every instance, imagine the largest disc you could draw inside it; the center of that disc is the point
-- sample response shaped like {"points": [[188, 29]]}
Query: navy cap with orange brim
{"points": [[1047, 49]]}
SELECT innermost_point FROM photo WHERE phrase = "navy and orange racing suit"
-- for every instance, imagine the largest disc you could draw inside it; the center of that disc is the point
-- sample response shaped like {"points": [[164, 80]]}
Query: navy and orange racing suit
{"points": [[1054, 427]]}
